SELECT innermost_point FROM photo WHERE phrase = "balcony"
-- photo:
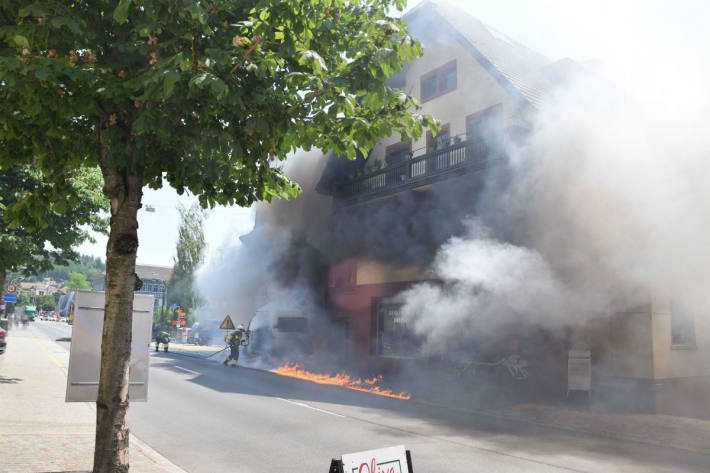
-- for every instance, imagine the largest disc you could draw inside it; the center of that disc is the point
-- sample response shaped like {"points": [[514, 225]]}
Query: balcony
{"points": [[459, 158]]}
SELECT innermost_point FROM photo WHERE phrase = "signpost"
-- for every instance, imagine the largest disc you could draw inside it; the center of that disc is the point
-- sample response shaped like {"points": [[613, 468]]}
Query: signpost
{"points": [[384, 460], [10, 298], [227, 324], [10, 288]]}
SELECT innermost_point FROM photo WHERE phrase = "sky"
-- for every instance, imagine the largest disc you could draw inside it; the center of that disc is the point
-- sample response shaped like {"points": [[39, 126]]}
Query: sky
{"points": [[622, 39]]}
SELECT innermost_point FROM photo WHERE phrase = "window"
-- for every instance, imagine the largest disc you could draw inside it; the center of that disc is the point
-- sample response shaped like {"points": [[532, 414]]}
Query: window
{"points": [[485, 125], [397, 153], [439, 81], [292, 324], [394, 337], [441, 140], [682, 326]]}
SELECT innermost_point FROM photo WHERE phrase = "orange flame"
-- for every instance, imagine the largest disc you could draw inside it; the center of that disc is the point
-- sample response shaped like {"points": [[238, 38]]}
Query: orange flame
{"points": [[295, 370]]}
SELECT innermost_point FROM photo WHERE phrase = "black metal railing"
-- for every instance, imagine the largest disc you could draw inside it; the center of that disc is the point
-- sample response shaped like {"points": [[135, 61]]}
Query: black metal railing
{"points": [[418, 170]]}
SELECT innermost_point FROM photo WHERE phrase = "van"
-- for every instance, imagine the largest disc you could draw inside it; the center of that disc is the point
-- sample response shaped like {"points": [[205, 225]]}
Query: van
{"points": [[279, 331]]}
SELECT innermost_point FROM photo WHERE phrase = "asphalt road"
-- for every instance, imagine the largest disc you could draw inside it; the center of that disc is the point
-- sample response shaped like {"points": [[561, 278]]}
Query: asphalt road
{"points": [[208, 418]]}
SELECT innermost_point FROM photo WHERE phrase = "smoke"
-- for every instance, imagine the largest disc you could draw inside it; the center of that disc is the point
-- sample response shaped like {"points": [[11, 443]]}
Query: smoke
{"points": [[493, 280], [602, 206], [281, 261]]}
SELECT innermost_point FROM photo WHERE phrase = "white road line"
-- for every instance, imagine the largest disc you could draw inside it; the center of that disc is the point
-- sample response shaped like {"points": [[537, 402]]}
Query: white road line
{"points": [[185, 369], [310, 407]]}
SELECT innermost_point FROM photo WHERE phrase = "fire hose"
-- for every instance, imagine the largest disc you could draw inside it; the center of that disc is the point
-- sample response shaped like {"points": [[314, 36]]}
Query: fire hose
{"points": [[200, 357]]}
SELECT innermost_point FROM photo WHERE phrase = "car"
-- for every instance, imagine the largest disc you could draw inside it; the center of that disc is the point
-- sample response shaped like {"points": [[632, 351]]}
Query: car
{"points": [[3, 340]]}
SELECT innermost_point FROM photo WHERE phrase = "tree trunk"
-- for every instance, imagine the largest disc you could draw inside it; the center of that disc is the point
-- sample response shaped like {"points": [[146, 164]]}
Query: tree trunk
{"points": [[124, 192]]}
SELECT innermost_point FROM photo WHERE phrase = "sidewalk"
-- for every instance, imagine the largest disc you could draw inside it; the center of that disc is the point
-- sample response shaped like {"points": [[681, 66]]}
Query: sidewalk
{"points": [[655, 429], [39, 432], [592, 419]]}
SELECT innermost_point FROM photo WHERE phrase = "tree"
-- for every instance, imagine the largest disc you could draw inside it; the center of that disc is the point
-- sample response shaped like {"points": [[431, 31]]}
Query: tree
{"points": [[38, 231], [209, 95], [46, 302], [88, 265], [77, 281], [190, 251]]}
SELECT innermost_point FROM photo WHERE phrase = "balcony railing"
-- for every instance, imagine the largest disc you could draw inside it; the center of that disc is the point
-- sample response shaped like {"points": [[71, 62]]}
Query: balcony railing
{"points": [[421, 170]]}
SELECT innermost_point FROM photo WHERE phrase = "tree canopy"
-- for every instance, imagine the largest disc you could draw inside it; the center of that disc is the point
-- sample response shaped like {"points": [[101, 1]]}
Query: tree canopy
{"points": [[189, 250], [78, 281], [211, 94], [38, 232]]}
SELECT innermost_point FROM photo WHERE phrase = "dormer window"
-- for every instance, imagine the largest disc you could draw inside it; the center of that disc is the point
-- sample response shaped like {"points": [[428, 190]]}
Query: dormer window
{"points": [[439, 81]]}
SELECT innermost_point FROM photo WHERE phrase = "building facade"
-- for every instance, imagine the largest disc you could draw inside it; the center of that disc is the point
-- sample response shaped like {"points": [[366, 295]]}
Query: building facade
{"points": [[406, 199], [155, 279]]}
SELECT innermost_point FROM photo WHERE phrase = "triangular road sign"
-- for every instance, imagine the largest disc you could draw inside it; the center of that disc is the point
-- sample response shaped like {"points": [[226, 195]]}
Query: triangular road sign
{"points": [[227, 324]]}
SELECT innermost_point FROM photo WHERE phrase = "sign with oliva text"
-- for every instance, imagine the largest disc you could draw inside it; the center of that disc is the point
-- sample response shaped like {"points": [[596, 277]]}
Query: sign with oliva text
{"points": [[383, 460]]}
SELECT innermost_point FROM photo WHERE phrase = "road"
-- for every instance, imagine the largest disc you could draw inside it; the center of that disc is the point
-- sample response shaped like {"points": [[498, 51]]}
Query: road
{"points": [[206, 418]]}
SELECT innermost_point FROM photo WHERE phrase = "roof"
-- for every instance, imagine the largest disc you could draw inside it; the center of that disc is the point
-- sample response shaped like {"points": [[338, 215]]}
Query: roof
{"points": [[162, 273], [519, 69]]}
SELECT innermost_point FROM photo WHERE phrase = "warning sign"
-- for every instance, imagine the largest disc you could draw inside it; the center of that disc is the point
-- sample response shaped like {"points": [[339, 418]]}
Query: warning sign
{"points": [[227, 324]]}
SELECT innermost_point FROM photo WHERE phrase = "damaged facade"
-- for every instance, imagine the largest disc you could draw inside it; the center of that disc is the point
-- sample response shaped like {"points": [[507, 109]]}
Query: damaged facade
{"points": [[390, 211]]}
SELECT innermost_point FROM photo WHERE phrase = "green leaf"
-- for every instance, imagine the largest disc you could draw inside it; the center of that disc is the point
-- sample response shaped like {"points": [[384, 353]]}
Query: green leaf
{"points": [[21, 41], [120, 14], [171, 77]]}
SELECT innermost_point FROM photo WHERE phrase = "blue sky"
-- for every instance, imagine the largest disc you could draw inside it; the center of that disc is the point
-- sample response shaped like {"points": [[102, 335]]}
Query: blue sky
{"points": [[640, 44]]}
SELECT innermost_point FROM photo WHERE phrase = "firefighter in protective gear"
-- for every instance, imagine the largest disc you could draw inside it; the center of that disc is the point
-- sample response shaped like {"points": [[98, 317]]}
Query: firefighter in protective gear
{"points": [[164, 338], [234, 340]]}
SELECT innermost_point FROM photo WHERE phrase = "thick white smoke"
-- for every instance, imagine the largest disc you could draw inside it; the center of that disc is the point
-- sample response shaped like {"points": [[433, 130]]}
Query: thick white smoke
{"points": [[607, 204], [486, 285]]}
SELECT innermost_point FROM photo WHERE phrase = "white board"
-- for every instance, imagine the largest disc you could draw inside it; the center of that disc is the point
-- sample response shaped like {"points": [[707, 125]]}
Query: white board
{"points": [[85, 350], [383, 460], [579, 370]]}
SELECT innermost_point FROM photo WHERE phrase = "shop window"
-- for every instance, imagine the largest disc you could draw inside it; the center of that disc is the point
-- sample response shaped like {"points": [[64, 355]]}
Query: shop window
{"points": [[439, 81], [394, 337], [682, 326]]}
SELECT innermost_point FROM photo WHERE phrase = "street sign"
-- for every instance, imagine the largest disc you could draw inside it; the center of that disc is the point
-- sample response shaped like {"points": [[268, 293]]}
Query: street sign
{"points": [[227, 324], [10, 298], [11, 288]]}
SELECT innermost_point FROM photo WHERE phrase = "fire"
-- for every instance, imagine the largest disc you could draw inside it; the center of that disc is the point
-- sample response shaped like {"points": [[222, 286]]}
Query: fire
{"points": [[295, 370]]}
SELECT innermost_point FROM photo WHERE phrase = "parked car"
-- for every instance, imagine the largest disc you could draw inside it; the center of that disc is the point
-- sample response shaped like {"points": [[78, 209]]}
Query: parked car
{"points": [[3, 340]]}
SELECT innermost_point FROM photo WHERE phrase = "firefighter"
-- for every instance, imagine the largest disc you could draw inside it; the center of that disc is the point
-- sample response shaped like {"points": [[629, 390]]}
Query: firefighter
{"points": [[164, 338], [234, 340]]}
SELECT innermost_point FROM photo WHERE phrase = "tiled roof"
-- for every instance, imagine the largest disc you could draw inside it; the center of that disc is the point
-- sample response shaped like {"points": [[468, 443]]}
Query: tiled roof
{"points": [[517, 66]]}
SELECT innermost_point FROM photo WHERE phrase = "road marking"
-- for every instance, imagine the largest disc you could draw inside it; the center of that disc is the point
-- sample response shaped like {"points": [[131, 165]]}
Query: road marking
{"points": [[310, 407], [185, 369], [56, 362]]}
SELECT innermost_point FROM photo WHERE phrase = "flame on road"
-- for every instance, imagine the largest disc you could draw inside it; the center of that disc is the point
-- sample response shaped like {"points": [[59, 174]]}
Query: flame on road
{"points": [[295, 370]]}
